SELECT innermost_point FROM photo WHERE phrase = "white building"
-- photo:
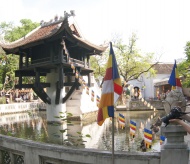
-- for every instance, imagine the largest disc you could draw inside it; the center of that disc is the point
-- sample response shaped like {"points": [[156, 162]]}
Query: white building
{"points": [[153, 87]]}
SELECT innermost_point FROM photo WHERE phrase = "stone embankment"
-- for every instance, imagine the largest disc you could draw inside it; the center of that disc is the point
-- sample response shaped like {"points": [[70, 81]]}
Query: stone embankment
{"points": [[20, 107]]}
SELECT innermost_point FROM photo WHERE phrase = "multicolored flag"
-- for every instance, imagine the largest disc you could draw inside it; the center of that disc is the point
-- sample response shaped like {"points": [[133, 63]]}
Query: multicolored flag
{"points": [[133, 126], [87, 90], [111, 89], [83, 83], [174, 79], [97, 100], [162, 139], [121, 120], [148, 138], [92, 95]]}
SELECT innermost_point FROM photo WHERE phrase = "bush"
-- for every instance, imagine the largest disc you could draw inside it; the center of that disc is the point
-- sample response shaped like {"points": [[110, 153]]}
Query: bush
{"points": [[2, 100]]}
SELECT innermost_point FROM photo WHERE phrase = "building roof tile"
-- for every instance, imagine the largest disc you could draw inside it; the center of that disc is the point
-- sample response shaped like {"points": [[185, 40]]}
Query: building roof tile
{"points": [[163, 68], [48, 30], [37, 34]]}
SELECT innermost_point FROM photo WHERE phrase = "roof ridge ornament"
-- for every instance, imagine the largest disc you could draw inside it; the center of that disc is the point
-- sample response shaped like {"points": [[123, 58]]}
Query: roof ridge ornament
{"points": [[57, 19], [72, 13]]}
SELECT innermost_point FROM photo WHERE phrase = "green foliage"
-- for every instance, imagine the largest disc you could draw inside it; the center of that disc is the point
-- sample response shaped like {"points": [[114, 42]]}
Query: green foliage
{"points": [[18, 32], [184, 69], [98, 64], [2, 100], [131, 63], [187, 50], [10, 63], [5, 27]]}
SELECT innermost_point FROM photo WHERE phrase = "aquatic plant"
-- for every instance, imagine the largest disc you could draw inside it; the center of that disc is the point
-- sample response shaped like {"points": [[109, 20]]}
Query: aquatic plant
{"points": [[70, 140]]}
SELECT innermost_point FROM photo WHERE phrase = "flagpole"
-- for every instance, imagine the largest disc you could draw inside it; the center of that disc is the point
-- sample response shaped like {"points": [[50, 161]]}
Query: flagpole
{"points": [[113, 140], [112, 93]]}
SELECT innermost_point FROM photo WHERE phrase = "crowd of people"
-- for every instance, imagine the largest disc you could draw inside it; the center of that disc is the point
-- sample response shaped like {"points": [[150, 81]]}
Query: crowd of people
{"points": [[18, 95]]}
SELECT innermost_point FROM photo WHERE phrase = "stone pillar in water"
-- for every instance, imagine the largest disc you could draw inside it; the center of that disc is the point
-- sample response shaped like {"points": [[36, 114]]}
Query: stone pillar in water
{"points": [[54, 109]]}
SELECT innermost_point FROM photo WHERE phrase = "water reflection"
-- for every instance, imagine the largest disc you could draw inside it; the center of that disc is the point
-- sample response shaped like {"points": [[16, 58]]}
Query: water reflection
{"points": [[33, 126]]}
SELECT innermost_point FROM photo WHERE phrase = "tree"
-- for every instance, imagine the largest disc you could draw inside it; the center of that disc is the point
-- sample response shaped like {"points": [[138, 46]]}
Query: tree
{"points": [[131, 64], [98, 64], [14, 33], [9, 63], [7, 67], [3, 28], [187, 50], [183, 67]]}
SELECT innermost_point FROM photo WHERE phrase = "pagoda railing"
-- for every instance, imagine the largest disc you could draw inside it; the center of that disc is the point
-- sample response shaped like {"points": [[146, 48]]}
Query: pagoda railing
{"points": [[48, 61]]}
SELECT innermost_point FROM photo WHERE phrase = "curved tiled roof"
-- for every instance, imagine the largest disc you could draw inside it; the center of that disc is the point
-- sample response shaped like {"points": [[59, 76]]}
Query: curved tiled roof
{"points": [[37, 34], [163, 68], [47, 31]]}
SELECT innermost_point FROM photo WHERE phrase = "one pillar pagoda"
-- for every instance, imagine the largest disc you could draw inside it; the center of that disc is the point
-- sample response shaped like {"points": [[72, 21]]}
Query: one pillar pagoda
{"points": [[58, 51]]}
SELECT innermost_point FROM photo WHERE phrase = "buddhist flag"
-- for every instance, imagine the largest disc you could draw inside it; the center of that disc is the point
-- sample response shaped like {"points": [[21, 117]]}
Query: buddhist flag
{"points": [[111, 89], [83, 83], [162, 139], [121, 120], [133, 126], [148, 137], [87, 90], [97, 100], [174, 80], [92, 95]]}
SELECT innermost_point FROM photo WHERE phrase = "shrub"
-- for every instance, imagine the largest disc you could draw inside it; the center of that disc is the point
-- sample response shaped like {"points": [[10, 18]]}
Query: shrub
{"points": [[3, 100]]}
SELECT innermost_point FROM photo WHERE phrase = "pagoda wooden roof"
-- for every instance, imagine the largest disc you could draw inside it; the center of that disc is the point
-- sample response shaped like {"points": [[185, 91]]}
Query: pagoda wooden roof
{"points": [[50, 30]]}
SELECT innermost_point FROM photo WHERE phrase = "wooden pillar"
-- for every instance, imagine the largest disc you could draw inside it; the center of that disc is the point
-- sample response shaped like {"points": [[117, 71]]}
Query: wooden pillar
{"points": [[20, 61], [84, 61], [37, 78], [61, 77], [89, 75], [27, 60], [20, 80]]}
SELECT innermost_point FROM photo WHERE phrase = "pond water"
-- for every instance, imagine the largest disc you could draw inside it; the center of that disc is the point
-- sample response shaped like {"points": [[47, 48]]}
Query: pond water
{"points": [[34, 126]]}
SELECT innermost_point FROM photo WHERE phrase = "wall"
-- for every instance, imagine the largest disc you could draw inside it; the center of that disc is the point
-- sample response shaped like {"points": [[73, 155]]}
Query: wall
{"points": [[18, 107], [149, 91], [40, 153], [139, 105], [81, 104], [186, 91]]}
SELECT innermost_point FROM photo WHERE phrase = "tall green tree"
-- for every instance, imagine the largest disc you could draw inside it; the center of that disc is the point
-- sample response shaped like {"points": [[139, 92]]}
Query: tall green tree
{"points": [[7, 67], [131, 63], [98, 64], [184, 67], [13, 33], [9, 63]]}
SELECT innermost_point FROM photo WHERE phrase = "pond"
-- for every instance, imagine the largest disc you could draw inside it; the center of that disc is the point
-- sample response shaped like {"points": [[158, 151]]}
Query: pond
{"points": [[34, 126]]}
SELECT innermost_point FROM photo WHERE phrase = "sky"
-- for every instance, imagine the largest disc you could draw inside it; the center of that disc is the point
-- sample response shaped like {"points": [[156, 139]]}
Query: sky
{"points": [[161, 26]]}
